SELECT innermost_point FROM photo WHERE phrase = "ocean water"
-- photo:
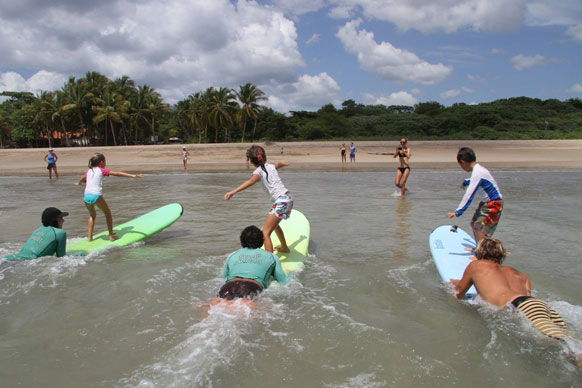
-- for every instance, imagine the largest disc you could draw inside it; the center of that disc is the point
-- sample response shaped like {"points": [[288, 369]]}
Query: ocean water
{"points": [[368, 311]]}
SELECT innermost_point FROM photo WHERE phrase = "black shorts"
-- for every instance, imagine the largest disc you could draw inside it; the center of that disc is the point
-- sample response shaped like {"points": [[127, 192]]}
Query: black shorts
{"points": [[239, 289], [50, 165]]}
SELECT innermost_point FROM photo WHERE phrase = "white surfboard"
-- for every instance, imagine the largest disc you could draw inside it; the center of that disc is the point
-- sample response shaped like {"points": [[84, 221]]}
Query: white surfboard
{"points": [[447, 246]]}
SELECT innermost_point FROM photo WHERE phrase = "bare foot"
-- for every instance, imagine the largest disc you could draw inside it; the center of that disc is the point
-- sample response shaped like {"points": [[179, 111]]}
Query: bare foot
{"points": [[112, 237], [281, 249], [89, 239], [473, 258]]}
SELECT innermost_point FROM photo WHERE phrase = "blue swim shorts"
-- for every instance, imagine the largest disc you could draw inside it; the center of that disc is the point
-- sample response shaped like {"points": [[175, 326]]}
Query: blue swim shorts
{"points": [[90, 199]]}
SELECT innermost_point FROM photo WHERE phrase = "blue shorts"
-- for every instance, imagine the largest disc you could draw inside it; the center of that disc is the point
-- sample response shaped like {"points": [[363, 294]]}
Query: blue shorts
{"points": [[282, 206], [90, 199]]}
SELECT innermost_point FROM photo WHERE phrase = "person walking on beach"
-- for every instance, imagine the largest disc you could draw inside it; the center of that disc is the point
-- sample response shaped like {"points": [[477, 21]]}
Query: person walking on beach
{"points": [[352, 155], [185, 155], [51, 160], [47, 240], [488, 212], [403, 153], [501, 284], [94, 191], [249, 270], [343, 154], [280, 196]]}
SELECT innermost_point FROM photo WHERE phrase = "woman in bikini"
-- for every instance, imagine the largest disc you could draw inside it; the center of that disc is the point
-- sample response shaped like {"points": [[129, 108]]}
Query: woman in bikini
{"points": [[403, 153]]}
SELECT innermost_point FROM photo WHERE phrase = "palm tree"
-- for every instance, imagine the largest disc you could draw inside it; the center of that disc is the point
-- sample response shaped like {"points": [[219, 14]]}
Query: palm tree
{"points": [[60, 112], [249, 96], [112, 109], [43, 110], [78, 97], [222, 108], [152, 105]]}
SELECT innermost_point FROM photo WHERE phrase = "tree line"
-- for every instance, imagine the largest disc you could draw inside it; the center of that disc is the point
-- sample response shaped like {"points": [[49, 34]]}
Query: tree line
{"points": [[98, 111]]}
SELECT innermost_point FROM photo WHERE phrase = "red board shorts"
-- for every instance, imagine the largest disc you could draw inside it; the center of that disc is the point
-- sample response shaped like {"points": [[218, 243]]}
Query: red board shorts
{"points": [[487, 216]]}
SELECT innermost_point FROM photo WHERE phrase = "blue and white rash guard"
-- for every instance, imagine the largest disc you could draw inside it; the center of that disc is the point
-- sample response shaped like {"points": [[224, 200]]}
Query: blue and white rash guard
{"points": [[481, 181]]}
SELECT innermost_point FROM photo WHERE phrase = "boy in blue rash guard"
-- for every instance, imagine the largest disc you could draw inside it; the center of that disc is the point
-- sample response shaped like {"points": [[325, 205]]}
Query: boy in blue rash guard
{"points": [[49, 239], [248, 270], [487, 215]]}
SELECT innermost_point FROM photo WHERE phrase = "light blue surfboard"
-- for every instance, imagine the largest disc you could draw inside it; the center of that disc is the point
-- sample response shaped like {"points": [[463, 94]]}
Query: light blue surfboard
{"points": [[447, 246]]}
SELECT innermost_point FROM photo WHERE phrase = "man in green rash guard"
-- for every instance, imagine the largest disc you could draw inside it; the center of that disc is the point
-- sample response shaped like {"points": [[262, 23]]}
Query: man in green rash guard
{"points": [[49, 239], [248, 270]]}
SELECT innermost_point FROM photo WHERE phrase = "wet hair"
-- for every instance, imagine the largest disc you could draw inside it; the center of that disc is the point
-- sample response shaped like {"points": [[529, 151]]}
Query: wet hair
{"points": [[467, 154], [258, 157], [95, 160], [251, 237], [490, 248]]}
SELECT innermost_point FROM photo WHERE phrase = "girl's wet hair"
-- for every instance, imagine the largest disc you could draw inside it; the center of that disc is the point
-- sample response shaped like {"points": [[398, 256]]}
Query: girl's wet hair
{"points": [[95, 160], [258, 157], [490, 248], [251, 237], [467, 154]]}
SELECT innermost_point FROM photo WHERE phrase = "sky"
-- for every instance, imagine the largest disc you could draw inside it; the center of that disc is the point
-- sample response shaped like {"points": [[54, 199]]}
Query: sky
{"points": [[302, 53]]}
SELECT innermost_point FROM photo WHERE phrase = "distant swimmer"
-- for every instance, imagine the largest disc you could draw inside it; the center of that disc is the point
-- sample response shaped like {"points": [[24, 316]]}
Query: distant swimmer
{"points": [[49, 239], [185, 155], [352, 155], [487, 215], [280, 196], [501, 284], [51, 160], [94, 191], [249, 270], [403, 153]]}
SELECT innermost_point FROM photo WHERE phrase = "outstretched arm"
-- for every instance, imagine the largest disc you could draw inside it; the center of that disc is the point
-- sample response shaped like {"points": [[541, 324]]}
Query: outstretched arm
{"points": [[82, 180], [125, 175], [284, 163], [251, 181]]}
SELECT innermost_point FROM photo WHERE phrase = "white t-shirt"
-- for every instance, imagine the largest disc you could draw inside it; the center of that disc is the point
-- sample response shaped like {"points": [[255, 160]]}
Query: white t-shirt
{"points": [[273, 185], [94, 177]]}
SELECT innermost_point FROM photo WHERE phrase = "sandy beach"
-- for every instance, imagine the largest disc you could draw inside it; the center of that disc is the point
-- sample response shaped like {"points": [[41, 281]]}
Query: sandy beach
{"points": [[301, 155]]}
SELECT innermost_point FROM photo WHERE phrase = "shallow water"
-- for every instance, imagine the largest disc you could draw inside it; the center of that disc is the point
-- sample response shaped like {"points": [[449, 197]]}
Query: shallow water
{"points": [[368, 311]]}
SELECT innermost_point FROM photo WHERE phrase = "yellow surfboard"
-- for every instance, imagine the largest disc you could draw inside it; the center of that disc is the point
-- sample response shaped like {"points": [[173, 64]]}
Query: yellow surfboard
{"points": [[296, 230]]}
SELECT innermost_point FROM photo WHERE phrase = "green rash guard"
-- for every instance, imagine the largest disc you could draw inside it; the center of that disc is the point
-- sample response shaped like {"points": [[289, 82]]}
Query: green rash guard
{"points": [[256, 264], [45, 241]]}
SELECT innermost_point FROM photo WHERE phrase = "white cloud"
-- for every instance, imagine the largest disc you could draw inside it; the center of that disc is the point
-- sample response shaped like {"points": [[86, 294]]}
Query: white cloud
{"points": [[308, 92], [175, 46], [450, 93], [387, 61], [495, 50], [551, 12], [575, 32], [417, 91], [42, 80], [341, 12], [396, 98], [576, 88], [522, 62], [467, 90], [314, 39], [439, 16]]}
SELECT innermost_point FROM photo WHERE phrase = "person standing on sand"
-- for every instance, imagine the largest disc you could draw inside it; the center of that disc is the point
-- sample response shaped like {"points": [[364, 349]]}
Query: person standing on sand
{"points": [[185, 155], [487, 215], [352, 155], [343, 154], [403, 152], [51, 160]]}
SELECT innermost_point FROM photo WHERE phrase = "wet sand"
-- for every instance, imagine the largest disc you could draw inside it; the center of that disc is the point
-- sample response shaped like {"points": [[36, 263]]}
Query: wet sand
{"points": [[500, 154]]}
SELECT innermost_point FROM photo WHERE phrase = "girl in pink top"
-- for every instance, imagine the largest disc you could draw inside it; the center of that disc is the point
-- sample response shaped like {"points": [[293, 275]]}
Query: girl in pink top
{"points": [[94, 191]]}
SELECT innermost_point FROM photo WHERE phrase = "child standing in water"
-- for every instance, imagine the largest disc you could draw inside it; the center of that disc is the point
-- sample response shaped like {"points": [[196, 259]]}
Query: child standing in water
{"points": [[94, 192], [487, 215], [281, 197]]}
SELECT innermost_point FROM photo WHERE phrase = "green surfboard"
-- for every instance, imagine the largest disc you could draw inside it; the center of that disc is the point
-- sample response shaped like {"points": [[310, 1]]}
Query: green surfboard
{"points": [[296, 230], [130, 232]]}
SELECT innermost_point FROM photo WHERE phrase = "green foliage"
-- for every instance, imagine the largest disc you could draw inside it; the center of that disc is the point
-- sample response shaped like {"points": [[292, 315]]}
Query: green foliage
{"points": [[107, 112]]}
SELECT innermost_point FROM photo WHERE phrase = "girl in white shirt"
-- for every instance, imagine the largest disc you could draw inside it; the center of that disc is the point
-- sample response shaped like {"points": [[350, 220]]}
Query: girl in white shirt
{"points": [[281, 197], [94, 191]]}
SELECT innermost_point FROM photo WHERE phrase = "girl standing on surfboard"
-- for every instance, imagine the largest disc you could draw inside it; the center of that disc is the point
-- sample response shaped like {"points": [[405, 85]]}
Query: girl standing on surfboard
{"points": [[94, 191], [281, 197]]}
